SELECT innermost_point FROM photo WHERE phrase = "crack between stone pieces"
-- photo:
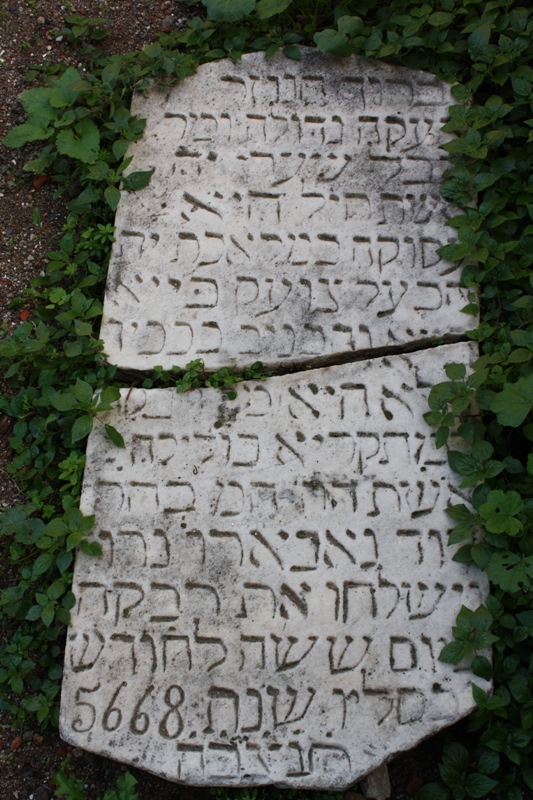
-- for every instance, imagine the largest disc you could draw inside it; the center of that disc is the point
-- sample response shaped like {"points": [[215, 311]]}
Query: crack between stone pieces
{"points": [[325, 361]]}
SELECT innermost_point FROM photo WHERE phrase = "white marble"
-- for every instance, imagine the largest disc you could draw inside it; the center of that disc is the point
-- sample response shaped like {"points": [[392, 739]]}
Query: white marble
{"points": [[275, 585], [294, 215]]}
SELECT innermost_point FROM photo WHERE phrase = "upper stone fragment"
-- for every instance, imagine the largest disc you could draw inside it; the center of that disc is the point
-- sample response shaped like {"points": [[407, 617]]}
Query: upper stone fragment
{"points": [[293, 215]]}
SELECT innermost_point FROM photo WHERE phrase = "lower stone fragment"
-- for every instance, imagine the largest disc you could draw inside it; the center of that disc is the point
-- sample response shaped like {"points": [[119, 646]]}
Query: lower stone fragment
{"points": [[275, 585]]}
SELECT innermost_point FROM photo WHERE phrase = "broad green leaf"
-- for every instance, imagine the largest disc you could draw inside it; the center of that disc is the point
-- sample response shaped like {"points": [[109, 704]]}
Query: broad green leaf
{"points": [[293, 51], [111, 72], [489, 761], [137, 180], [56, 590], [27, 132], [514, 402], [482, 619], [83, 524], [83, 202], [483, 180], [463, 463], [455, 372], [56, 528], [500, 510], [36, 103], [479, 39], [442, 436], [61, 94], [112, 196], [99, 33], [330, 41], [63, 402], [153, 50], [432, 791], [13, 369], [40, 164], [460, 513], [482, 450], [228, 10], [452, 653], [34, 614], [478, 785], [350, 25], [32, 703], [120, 147], [90, 548], [481, 667], [481, 553], [508, 571], [41, 564], [454, 252], [267, 8], [47, 615], [82, 391], [115, 436], [73, 349], [73, 540], [440, 18], [519, 686], [63, 561], [522, 87], [460, 533], [464, 619], [110, 394], [82, 328], [81, 428], [456, 755], [82, 143], [99, 171]]}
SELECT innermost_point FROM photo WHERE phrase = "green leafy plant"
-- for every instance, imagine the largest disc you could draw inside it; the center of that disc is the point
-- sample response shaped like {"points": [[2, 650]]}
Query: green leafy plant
{"points": [[72, 788], [194, 376]]}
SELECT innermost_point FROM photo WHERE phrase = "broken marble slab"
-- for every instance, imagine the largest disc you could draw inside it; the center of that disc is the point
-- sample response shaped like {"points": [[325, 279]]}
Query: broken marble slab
{"points": [[293, 215], [275, 586]]}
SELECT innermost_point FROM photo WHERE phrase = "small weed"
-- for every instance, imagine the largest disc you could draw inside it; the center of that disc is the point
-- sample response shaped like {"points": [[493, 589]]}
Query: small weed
{"points": [[71, 788]]}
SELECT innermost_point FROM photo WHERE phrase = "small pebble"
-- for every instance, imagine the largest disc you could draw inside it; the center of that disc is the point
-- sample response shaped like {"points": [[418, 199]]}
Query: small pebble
{"points": [[413, 784], [167, 24], [27, 736], [77, 752], [17, 741], [40, 20]]}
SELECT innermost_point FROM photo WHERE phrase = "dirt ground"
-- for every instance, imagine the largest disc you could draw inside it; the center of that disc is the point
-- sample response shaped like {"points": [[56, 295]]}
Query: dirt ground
{"points": [[30, 758]]}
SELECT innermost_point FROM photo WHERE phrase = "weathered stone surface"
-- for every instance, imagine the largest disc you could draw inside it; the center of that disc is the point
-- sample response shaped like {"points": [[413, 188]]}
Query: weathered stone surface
{"points": [[275, 585], [294, 214]]}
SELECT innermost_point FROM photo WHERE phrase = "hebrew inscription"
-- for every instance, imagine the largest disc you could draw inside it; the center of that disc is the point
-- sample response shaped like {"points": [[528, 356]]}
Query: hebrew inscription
{"points": [[274, 590], [294, 214]]}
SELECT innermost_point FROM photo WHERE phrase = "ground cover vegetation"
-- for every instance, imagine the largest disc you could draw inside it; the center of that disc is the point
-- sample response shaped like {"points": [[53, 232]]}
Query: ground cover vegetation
{"points": [[58, 382]]}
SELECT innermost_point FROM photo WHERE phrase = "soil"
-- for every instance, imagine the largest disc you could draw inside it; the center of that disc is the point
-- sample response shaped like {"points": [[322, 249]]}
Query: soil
{"points": [[29, 759]]}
